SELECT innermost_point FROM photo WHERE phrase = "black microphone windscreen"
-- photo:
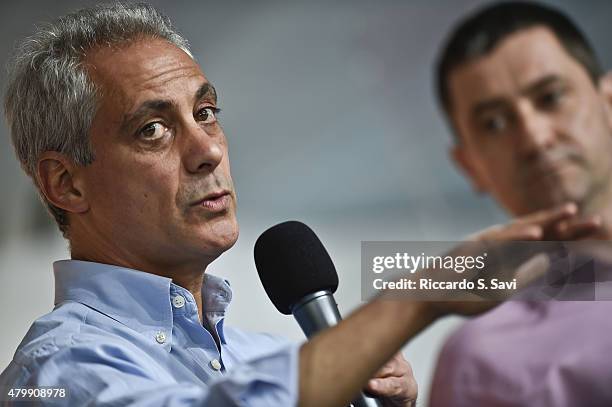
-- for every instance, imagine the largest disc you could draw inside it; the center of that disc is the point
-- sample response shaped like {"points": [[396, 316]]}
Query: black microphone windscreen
{"points": [[292, 263]]}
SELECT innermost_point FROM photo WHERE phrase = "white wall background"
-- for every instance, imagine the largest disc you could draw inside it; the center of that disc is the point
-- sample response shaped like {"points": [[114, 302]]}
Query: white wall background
{"points": [[329, 112]]}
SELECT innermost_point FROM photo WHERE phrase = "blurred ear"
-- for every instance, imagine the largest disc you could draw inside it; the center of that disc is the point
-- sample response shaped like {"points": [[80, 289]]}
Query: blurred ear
{"points": [[605, 90], [56, 176], [462, 159]]}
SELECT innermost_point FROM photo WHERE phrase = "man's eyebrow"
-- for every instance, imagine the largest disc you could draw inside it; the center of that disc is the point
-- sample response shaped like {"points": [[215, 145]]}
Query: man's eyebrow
{"points": [[542, 83], [206, 91], [499, 102], [489, 104], [145, 108]]}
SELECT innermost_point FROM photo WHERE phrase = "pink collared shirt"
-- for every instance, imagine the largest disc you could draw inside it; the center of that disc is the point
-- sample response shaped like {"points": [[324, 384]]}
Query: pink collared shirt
{"points": [[556, 353]]}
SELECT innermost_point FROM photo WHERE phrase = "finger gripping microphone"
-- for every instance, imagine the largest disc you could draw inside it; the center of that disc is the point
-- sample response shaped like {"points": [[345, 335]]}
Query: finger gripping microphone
{"points": [[300, 279]]}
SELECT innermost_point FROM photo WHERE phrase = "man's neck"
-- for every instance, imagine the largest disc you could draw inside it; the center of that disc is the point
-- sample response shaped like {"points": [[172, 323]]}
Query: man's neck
{"points": [[189, 276]]}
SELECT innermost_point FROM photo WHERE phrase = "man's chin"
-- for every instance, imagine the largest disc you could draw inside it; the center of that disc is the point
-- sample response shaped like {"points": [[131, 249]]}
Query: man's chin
{"points": [[221, 235], [547, 199]]}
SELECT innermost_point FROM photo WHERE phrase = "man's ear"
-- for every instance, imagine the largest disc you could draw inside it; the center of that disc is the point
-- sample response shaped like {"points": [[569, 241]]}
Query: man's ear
{"points": [[605, 90], [462, 159], [56, 175]]}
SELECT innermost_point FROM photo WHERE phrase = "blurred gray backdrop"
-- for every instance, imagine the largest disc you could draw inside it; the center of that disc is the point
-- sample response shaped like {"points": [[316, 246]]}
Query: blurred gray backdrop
{"points": [[330, 117]]}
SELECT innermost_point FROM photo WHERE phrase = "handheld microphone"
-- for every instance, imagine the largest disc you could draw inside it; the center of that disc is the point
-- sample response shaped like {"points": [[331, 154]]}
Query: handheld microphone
{"points": [[300, 279]]}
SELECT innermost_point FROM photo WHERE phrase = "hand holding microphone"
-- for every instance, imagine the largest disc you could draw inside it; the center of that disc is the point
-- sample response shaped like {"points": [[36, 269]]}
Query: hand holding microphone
{"points": [[300, 279]]}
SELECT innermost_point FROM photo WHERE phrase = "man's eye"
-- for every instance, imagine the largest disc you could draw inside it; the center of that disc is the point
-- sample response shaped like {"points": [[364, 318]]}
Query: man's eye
{"points": [[208, 115], [495, 124], [550, 99], [153, 131]]}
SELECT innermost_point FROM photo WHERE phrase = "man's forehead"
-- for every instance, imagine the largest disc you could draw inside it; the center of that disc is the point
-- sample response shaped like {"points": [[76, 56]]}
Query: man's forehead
{"points": [[143, 67], [520, 60]]}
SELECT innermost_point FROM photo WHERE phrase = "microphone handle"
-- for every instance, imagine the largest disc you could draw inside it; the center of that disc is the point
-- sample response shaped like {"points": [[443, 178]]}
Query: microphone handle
{"points": [[318, 311]]}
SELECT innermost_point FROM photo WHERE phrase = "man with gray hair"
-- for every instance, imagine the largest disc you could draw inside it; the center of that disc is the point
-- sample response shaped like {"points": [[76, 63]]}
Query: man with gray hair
{"points": [[116, 124]]}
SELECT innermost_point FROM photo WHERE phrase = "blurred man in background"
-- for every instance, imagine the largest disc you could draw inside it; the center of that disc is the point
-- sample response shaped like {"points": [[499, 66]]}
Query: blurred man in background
{"points": [[531, 111]]}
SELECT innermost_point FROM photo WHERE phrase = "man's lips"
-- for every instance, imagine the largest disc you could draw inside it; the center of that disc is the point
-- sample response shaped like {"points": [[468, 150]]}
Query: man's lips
{"points": [[552, 162], [215, 202], [549, 169]]}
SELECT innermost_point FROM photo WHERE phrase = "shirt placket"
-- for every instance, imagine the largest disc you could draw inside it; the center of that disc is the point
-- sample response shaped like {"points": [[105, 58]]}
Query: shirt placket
{"points": [[202, 343]]}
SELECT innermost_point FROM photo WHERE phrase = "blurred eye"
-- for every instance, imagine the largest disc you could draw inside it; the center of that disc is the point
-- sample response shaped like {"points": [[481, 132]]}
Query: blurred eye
{"points": [[495, 124], [550, 99], [153, 131], [208, 115]]}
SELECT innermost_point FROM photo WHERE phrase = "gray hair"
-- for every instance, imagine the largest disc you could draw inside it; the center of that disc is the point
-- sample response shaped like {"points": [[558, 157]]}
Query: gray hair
{"points": [[50, 101]]}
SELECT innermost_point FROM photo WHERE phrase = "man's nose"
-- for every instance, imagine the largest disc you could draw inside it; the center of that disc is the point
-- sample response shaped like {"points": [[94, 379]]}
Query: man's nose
{"points": [[202, 150], [535, 131]]}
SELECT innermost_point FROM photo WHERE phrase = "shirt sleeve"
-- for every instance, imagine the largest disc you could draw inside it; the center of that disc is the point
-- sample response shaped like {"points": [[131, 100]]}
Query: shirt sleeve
{"points": [[122, 375]]}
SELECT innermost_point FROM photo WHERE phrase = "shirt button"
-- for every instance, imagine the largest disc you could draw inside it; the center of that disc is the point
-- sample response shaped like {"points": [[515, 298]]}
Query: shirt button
{"points": [[160, 337], [215, 364], [178, 301]]}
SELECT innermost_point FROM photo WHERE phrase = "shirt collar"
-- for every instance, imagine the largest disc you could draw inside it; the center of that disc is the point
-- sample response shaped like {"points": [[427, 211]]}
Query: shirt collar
{"points": [[139, 300]]}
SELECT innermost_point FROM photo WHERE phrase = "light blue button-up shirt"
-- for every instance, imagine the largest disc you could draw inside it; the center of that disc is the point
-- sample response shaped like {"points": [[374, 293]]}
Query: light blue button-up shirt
{"points": [[124, 337]]}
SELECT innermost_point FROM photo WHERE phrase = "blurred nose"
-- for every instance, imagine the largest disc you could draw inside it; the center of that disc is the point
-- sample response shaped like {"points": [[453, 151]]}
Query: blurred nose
{"points": [[535, 131], [202, 150]]}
